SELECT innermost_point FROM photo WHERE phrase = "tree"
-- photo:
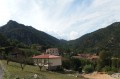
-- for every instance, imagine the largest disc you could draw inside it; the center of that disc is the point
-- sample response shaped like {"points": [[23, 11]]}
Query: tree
{"points": [[22, 61], [88, 68], [75, 63], [7, 53], [104, 60], [106, 69], [3, 41], [66, 64], [22, 58], [17, 55]]}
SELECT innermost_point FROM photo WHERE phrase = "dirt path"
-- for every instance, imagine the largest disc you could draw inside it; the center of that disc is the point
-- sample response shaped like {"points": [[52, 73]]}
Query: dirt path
{"points": [[98, 76]]}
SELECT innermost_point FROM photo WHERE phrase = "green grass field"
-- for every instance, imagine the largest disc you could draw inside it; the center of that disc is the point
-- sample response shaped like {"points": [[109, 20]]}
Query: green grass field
{"points": [[13, 70]]}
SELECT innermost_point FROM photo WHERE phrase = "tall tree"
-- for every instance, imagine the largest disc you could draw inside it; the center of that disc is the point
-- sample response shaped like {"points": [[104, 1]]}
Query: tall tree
{"points": [[104, 59]]}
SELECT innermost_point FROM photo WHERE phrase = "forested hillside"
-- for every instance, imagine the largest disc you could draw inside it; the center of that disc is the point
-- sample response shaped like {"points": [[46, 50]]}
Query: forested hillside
{"points": [[107, 39], [3, 40], [27, 34]]}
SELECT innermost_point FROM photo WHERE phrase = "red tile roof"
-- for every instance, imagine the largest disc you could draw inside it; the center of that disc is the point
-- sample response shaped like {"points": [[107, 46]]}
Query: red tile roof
{"points": [[46, 56], [86, 56]]}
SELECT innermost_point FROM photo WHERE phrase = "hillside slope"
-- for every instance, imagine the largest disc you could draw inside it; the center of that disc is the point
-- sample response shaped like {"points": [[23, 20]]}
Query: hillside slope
{"points": [[27, 34], [103, 39]]}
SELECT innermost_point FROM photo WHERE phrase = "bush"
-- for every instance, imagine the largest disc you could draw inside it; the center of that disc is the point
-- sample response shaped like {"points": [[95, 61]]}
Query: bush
{"points": [[114, 69], [79, 69], [17, 78], [66, 64], [59, 69], [110, 72], [106, 69], [75, 63], [88, 68]]}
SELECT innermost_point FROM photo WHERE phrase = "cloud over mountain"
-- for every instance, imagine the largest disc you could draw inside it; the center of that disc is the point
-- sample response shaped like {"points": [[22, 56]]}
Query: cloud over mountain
{"points": [[66, 19]]}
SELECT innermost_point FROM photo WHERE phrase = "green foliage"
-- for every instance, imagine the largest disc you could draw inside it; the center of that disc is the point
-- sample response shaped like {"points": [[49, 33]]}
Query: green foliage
{"points": [[31, 52], [75, 63], [114, 69], [107, 39], [80, 69], [16, 43], [88, 68], [107, 63], [104, 60], [59, 69], [20, 55], [72, 63], [30, 70], [3, 41], [66, 64], [84, 62], [106, 69]]}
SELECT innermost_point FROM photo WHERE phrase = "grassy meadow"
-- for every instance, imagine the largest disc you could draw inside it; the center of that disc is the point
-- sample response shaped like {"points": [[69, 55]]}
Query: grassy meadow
{"points": [[14, 71]]}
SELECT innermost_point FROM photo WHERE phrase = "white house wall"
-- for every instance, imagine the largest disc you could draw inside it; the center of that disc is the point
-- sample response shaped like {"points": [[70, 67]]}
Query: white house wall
{"points": [[55, 62], [53, 51]]}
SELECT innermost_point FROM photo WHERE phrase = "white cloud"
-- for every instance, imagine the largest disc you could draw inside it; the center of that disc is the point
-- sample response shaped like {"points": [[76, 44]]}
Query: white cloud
{"points": [[73, 35], [68, 19], [4, 12]]}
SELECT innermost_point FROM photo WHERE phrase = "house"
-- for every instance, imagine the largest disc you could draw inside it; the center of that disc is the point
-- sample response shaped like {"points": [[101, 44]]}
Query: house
{"points": [[52, 51], [50, 62]]}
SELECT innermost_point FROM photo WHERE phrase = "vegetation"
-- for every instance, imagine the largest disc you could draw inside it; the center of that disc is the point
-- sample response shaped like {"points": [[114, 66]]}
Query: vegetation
{"points": [[88, 68], [105, 63], [27, 34], [77, 64], [29, 71], [18, 43], [104, 60], [108, 63], [103, 39], [3, 41]]}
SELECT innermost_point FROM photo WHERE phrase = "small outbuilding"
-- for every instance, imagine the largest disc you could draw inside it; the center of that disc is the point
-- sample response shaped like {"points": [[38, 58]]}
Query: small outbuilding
{"points": [[52, 51]]}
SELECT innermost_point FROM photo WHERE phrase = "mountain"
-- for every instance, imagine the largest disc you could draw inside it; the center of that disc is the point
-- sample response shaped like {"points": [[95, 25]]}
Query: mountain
{"points": [[107, 39], [27, 34], [3, 40], [103, 39]]}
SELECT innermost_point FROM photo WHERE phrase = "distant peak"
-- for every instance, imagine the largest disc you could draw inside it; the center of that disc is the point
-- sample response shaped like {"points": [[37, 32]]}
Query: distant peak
{"points": [[11, 21], [13, 24], [116, 23]]}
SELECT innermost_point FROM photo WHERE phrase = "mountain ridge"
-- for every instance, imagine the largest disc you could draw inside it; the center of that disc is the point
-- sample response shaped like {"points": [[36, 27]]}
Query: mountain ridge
{"points": [[26, 34], [100, 39]]}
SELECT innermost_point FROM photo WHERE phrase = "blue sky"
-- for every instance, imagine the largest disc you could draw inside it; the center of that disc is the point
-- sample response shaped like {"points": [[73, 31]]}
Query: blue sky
{"points": [[64, 19]]}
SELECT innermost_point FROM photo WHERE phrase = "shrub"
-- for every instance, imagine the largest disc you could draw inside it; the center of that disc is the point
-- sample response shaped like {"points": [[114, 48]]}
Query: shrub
{"points": [[66, 64], [79, 69], [59, 69], [17, 78], [106, 69], [88, 68], [110, 72], [75, 63], [114, 69]]}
